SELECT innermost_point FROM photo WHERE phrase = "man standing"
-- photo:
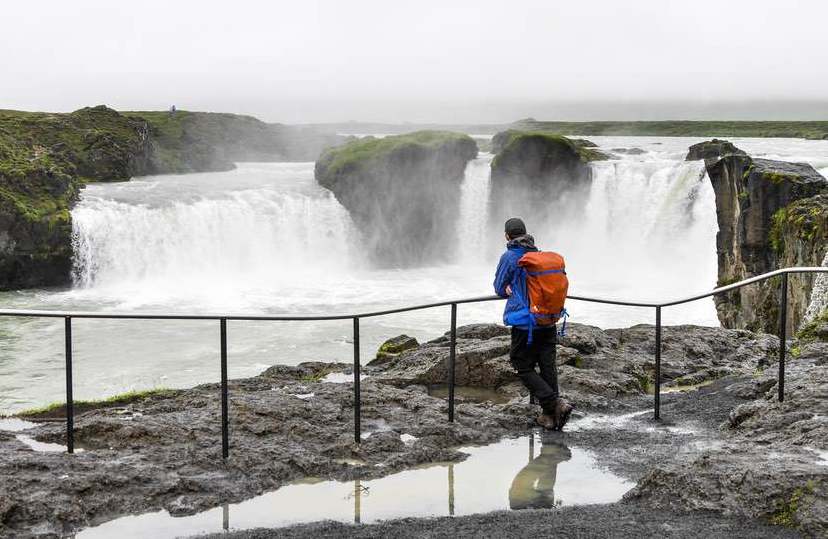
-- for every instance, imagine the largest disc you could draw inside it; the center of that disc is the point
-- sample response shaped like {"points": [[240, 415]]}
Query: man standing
{"points": [[531, 345]]}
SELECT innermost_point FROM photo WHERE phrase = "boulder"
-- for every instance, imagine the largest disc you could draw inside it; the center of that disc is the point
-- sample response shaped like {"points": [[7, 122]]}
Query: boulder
{"points": [[712, 150], [403, 192], [392, 348], [539, 174], [769, 216]]}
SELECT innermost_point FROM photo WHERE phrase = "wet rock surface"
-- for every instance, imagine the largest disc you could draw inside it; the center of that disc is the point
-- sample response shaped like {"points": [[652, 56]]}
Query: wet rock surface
{"points": [[725, 447], [770, 215], [615, 520]]}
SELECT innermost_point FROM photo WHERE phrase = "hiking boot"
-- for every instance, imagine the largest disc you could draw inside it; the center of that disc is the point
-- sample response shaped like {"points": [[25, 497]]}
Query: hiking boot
{"points": [[562, 411], [546, 421]]}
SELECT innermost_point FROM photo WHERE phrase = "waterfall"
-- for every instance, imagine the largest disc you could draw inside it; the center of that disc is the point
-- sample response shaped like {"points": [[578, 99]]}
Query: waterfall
{"points": [[192, 237], [819, 295], [474, 203]]}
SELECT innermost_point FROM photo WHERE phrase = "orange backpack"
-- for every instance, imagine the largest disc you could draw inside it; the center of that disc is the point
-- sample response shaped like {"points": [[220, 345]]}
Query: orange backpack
{"points": [[546, 286]]}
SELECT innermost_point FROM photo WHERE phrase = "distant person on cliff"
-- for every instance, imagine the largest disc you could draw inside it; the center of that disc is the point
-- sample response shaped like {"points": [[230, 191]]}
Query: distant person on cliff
{"points": [[535, 286]]}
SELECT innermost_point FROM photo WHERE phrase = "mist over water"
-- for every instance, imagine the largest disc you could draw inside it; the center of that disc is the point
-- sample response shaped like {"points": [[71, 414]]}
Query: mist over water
{"points": [[266, 239]]}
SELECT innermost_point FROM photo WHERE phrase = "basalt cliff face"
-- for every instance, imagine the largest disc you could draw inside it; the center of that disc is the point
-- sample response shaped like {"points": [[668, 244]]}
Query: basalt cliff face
{"points": [[403, 192], [771, 215], [538, 174], [46, 158]]}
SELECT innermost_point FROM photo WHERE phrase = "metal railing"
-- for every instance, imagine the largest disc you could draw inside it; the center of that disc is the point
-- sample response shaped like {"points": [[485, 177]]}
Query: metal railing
{"points": [[68, 316]]}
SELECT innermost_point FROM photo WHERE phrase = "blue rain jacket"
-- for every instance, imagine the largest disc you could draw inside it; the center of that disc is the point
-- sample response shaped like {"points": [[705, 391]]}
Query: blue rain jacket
{"points": [[516, 312]]}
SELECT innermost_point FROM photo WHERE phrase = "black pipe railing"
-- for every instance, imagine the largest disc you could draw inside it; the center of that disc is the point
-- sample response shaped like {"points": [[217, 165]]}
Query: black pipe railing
{"points": [[223, 319]]}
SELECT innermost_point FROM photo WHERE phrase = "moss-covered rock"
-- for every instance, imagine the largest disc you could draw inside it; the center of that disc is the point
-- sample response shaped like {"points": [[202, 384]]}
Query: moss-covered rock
{"points": [[770, 216], [403, 192], [536, 174], [712, 149]]}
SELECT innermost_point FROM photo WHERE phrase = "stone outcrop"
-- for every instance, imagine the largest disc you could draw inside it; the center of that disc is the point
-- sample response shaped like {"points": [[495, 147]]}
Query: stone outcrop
{"points": [[769, 217], [712, 150], [46, 158], [403, 192], [595, 365], [771, 461], [539, 174]]}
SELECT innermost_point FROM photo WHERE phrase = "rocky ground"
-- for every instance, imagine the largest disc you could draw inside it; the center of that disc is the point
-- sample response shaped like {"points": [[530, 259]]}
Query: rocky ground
{"points": [[726, 457]]}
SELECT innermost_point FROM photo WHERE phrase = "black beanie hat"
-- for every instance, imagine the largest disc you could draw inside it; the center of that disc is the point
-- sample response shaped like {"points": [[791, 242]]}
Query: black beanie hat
{"points": [[515, 227]]}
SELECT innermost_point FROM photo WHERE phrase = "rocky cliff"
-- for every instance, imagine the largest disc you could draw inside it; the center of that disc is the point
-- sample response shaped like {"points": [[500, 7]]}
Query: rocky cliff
{"points": [[403, 192], [769, 217], [46, 158], [538, 174]]}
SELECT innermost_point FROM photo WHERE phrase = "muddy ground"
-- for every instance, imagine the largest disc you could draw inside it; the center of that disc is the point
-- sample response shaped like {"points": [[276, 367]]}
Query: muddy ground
{"points": [[724, 450]]}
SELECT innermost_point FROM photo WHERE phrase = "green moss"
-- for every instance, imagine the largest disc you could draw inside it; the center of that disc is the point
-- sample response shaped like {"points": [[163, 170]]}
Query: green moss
{"points": [[777, 230], [316, 376], [59, 408], [815, 330], [785, 515], [509, 140], [360, 152]]}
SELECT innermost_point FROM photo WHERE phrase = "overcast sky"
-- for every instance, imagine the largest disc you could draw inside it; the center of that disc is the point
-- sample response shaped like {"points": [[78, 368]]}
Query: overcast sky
{"points": [[421, 60]]}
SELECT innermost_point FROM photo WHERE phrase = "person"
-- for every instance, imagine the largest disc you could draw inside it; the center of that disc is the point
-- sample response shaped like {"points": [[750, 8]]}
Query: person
{"points": [[538, 352]]}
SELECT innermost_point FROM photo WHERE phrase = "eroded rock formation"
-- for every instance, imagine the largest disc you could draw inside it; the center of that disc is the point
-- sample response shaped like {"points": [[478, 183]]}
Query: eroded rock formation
{"points": [[539, 175], [403, 192], [769, 217]]}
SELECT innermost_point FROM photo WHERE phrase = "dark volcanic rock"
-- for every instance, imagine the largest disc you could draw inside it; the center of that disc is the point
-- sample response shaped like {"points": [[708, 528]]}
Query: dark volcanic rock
{"points": [[755, 235], [594, 364], [539, 175], [712, 150], [403, 192], [163, 450], [772, 464]]}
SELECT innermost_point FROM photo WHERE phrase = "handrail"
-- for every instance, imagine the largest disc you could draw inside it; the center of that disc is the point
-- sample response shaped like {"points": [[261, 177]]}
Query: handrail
{"points": [[225, 421], [371, 314]]}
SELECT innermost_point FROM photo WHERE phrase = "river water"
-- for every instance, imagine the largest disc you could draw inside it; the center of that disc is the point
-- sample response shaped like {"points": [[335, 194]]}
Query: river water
{"points": [[264, 238]]}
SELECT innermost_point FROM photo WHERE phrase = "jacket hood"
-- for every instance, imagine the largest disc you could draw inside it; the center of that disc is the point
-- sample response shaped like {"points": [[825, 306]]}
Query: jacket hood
{"points": [[522, 242]]}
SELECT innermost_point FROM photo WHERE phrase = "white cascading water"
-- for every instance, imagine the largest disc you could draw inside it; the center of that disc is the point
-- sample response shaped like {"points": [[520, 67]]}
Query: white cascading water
{"points": [[819, 294], [266, 238]]}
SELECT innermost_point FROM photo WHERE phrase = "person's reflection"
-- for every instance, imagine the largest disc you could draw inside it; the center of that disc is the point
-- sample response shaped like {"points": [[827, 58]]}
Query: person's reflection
{"points": [[534, 486]]}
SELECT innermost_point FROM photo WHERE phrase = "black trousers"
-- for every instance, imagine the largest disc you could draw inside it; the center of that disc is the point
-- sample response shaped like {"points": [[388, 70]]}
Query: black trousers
{"points": [[543, 382]]}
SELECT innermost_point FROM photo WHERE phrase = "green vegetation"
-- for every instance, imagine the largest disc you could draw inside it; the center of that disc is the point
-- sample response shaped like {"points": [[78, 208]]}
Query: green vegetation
{"points": [[807, 130], [777, 231], [317, 376], [815, 330], [785, 515], [508, 140], [356, 153], [56, 409]]}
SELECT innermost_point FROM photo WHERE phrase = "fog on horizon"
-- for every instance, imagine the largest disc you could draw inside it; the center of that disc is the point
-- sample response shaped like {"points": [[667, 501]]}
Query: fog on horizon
{"points": [[464, 61]]}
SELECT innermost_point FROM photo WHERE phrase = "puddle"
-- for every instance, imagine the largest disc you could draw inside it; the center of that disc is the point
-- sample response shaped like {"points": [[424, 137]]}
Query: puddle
{"points": [[472, 394], [43, 447], [529, 472], [12, 424]]}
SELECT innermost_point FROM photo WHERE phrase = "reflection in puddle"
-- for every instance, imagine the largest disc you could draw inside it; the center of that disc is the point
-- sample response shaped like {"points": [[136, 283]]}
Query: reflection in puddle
{"points": [[531, 471], [12, 424]]}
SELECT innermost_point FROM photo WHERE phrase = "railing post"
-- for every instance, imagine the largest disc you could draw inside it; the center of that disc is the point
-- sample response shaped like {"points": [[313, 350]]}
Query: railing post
{"points": [[657, 396], [357, 403], [70, 401], [452, 362], [783, 334], [225, 417]]}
